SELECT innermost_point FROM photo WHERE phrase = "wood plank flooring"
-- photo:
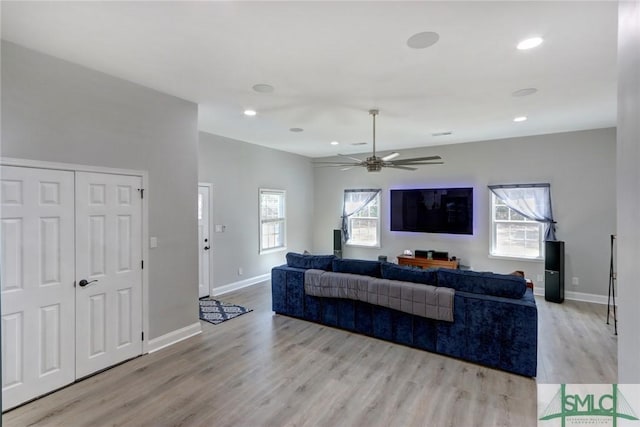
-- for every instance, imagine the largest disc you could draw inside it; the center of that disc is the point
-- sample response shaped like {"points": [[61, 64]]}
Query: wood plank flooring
{"points": [[263, 369]]}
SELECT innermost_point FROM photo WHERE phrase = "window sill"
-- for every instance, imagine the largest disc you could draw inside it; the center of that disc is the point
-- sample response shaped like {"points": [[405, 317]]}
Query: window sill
{"points": [[352, 245], [274, 250], [515, 258]]}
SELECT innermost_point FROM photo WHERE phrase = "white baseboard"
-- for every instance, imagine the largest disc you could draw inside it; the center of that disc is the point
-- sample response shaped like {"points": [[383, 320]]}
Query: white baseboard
{"points": [[241, 284], [577, 296], [173, 337]]}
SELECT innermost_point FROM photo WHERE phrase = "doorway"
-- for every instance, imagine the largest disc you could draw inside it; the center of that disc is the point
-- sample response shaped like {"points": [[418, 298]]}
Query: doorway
{"points": [[204, 240]]}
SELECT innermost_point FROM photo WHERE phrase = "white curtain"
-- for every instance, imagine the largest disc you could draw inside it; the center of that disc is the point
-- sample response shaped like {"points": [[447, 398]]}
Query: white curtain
{"points": [[351, 207], [533, 201]]}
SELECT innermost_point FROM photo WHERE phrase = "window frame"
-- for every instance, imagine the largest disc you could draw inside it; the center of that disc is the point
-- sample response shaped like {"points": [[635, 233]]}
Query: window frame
{"points": [[494, 238], [378, 220], [262, 221]]}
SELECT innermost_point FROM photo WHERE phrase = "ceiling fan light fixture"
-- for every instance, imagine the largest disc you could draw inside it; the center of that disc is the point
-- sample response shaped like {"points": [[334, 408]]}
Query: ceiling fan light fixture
{"points": [[373, 164]]}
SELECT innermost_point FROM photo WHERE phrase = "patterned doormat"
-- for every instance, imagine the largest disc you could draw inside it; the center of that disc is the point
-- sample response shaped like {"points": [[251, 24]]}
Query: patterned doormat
{"points": [[214, 311]]}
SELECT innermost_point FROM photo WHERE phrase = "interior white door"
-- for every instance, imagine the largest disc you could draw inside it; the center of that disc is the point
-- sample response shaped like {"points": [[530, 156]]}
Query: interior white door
{"points": [[37, 278], [108, 270], [204, 242]]}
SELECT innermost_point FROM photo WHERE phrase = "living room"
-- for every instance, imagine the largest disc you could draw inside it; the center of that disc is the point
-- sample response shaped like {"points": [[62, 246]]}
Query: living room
{"points": [[57, 111]]}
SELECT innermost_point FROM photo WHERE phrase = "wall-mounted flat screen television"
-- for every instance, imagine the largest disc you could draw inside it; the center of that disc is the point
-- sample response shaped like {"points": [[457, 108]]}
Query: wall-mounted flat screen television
{"points": [[433, 210]]}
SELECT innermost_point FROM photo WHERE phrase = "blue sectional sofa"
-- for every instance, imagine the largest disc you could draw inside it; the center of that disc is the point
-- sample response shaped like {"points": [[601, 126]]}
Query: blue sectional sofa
{"points": [[495, 315]]}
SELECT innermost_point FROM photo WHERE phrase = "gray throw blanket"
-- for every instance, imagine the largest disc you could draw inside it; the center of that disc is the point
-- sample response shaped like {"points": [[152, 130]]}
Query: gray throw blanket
{"points": [[413, 298]]}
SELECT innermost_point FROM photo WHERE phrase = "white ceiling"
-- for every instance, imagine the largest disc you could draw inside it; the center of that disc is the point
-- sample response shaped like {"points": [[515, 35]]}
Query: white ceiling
{"points": [[330, 62]]}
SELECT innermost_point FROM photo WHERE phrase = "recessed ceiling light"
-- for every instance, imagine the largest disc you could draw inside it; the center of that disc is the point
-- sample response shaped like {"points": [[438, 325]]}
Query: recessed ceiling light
{"points": [[296, 130], [525, 92], [530, 43], [250, 112], [263, 88], [520, 119], [334, 143], [423, 40], [442, 133]]}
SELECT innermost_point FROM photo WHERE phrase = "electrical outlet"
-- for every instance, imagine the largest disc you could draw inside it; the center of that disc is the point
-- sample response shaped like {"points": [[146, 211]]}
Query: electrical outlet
{"points": [[575, 281], [240, 272]]}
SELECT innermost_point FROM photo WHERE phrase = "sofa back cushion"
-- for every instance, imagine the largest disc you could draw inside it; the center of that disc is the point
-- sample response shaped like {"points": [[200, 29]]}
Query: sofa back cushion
{"points": [[500, 285], [317, 262], [357, 266], [404, 273]]}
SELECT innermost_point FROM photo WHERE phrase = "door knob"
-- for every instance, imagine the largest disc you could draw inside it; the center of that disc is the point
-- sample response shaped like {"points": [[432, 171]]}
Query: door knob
{"points": [[84, 282], [206, 248]]}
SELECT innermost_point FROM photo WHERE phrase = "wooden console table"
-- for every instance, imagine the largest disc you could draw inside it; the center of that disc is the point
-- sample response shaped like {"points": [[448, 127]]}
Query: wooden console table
{"points": [[426, 262]]}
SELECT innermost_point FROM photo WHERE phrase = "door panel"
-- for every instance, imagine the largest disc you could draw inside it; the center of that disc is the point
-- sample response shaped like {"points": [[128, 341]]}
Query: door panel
{"points": [[37, 275], [204, 242], [108, 254], [12, 350]]}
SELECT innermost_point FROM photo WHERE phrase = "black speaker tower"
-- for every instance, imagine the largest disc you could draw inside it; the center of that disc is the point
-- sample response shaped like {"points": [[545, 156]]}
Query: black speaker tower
{"points": [[554, 271], [337, 243]]}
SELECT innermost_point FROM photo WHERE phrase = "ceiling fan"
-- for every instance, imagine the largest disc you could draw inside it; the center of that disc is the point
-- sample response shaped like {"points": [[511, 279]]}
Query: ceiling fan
{"points": [[375, 163]]}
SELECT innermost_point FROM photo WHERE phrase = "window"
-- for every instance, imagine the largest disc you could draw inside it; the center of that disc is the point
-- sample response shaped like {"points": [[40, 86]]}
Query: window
{"points": [[363, 219], [513, 235], [272, 220]]}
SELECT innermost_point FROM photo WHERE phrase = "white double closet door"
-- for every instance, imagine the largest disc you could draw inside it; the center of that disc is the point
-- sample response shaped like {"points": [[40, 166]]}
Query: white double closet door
{"points": [[60, 230]]}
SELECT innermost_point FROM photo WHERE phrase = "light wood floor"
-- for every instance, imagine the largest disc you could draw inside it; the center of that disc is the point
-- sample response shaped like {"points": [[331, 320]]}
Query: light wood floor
{"points": [[263, 369]]}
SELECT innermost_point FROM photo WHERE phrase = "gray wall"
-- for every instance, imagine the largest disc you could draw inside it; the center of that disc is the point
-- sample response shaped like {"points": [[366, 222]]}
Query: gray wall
{"points": [[237, 170], [580, 167], [57, 111], [628, 192]]}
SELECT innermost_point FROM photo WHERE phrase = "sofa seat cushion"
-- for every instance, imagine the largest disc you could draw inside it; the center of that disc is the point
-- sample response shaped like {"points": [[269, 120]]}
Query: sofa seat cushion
{"points": [[357, 266], [403, 273], [500, 285], [318, 262]]}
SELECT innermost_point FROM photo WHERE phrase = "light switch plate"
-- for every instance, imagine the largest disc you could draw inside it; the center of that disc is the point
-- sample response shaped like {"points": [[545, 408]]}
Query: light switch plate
{"points": [[153, 242]]}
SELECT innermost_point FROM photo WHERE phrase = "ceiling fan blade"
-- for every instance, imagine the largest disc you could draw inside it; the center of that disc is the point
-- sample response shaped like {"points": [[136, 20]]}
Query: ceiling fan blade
{"points": [[346, 169], [402, 167], [349, 157], [390, 156], [337, 163], [336, 166], [418, 159], [416, 163]]}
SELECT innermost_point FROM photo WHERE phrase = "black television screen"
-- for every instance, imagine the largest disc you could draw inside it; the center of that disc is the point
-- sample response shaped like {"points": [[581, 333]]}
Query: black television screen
{"points": [[434, 210]]}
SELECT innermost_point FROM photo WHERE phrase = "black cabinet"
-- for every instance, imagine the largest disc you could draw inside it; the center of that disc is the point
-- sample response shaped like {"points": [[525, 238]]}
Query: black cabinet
{"points": [[554, 271]]}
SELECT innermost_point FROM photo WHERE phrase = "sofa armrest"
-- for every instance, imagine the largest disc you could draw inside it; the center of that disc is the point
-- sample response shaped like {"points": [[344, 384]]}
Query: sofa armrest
{"points": [[287, 290], [494, 331]]}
